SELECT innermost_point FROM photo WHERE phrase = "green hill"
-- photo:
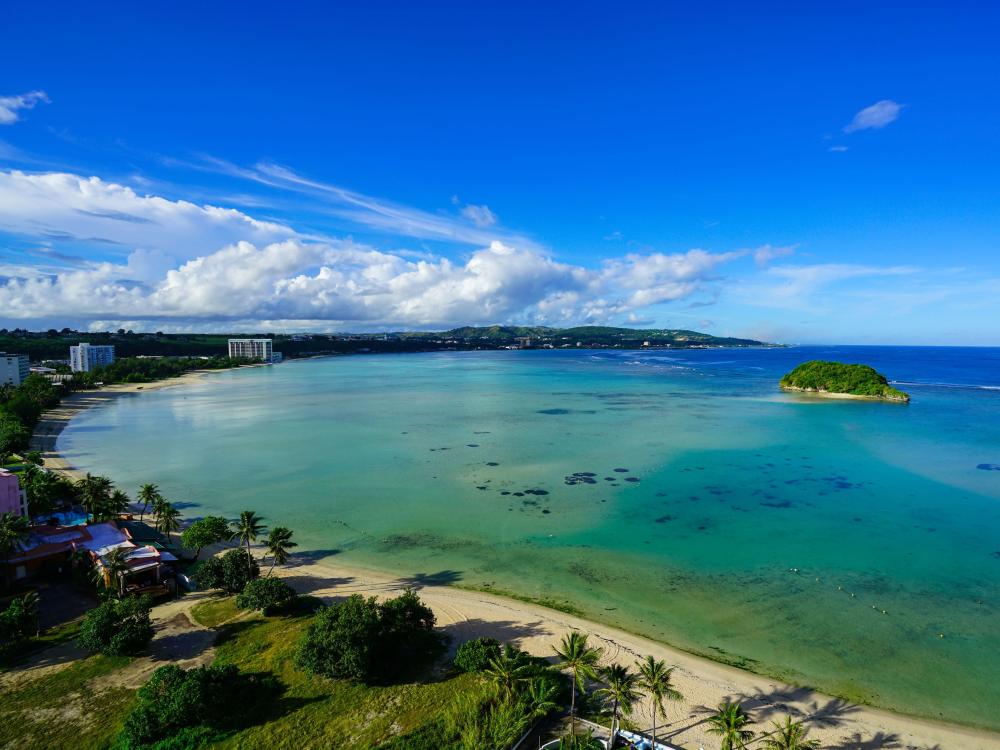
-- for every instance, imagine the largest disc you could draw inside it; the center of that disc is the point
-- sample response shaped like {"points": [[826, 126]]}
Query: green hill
{"points": [[822, 377], [585, 335]]}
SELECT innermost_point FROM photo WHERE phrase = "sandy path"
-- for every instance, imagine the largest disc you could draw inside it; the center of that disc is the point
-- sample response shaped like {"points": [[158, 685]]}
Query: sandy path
{"points": [[466, 614]]}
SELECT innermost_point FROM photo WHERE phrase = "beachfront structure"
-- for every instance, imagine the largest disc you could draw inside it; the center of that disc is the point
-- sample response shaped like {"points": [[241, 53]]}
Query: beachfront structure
{"points": [[14, 368], [13, 499], [85, 357], [259, 350]]}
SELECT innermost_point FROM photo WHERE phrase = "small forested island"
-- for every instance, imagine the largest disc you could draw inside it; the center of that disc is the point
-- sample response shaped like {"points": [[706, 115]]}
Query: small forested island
{"points": [[841, 380]]}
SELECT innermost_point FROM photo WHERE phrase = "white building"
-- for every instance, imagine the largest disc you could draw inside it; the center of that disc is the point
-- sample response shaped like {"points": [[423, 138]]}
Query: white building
{"points": [[86, 357], [13, 368], [260, 350]]}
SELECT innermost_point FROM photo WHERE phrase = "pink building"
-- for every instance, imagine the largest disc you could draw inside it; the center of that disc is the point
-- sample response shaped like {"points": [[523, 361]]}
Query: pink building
{"points": [[12, 497]]}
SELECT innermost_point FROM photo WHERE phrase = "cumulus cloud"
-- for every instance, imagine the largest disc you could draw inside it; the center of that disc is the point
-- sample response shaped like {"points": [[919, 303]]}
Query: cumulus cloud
{"points": [[481, 216], [178, 264], [10, 106], [876, 116], [65, 207]]}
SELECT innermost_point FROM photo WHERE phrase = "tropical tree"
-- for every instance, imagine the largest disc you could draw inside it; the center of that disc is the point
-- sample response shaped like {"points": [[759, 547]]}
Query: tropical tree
{"points": [[789, 735], [621, 689], [167, 518], [729, 722], [113, 569], [94, 491], [279, 542], [654, 679], [540, 698], [205, 532], [13, 535], [148, 495], [117, 504], [247, 529], [581, 662], [33, 458], [509, 670]]}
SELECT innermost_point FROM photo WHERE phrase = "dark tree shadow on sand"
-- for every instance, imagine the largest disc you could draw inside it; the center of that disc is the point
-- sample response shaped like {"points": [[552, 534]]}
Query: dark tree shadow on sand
{"points": [[441, 578], [504, 631], [310, 557], [878, 741]]}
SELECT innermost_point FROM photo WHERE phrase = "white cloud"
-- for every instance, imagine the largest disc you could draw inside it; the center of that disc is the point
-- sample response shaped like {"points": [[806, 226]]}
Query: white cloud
{"points": [[65, 207], [481, 216], [838, 149], [878, 115], [766, 253], [10, 106]]}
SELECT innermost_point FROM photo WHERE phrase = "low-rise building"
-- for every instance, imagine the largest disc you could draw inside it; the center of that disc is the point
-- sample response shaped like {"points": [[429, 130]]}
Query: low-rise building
{"points": [[13, 499], [14, 368], [85, 357]]}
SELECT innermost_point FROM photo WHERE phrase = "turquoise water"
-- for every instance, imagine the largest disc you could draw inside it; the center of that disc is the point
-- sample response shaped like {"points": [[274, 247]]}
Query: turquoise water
{"points": [[722, 515]]}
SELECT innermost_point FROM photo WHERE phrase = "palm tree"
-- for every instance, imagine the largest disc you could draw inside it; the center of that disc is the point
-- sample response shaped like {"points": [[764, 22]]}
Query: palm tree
{"points": [[94, 493], [148, 495], [13, 535], [33, 458], [167, 518], [654, 678], [247, 529], [581, 661], [509, 670], [729, 722], [112, 569], [540, 697], [790, 735], [117, 503], [621, 691], [279, 541]]}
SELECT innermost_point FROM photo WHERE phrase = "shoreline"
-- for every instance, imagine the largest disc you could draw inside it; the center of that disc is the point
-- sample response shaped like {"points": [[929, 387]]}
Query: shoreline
{"points": [[466, 613]]}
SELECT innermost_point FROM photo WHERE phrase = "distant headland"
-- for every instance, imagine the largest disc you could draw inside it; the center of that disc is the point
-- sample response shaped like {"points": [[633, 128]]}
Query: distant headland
{"points": [[839, 380], [54, 344]]}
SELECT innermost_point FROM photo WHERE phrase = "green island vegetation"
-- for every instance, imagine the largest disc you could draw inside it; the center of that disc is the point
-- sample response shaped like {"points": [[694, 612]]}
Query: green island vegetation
{"points": [[54, 344], [823, 377]]}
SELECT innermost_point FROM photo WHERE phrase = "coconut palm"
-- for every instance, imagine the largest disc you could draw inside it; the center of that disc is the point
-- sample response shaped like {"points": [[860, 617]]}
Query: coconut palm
{"points": [[94, 491], [117, 503], [541, 698], [621, 688], [13, 535], [654, 679], [33, 458], [148, 495], [509, 670], [278, 543], [729, 722], [247, 529], [581, 661], [112, 569], [167, 518], [789, 735]]}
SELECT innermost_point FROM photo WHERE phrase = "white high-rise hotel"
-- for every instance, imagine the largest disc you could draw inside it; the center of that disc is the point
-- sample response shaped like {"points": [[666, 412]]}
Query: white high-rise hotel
{"points": [[85, 357], [13, 368], [261, 350]]}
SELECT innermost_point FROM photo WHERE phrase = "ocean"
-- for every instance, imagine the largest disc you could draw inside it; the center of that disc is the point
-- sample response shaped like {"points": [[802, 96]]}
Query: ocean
{"points": [[851, 546]]}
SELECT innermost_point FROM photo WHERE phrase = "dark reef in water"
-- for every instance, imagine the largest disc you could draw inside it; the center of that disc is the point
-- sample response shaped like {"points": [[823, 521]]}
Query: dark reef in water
{"points": [[989, 467]]}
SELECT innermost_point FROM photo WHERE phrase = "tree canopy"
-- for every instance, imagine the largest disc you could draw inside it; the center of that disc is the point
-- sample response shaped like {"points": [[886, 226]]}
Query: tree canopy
{"points": [[836, 377]]}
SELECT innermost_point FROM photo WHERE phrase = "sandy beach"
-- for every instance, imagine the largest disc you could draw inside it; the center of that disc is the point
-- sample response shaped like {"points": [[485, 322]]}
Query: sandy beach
{"points": [[467, 614]]}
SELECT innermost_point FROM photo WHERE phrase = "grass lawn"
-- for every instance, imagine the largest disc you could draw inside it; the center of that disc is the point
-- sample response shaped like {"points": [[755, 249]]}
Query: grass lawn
{"points": [[317, 712], [60, 709], [214, 612]]}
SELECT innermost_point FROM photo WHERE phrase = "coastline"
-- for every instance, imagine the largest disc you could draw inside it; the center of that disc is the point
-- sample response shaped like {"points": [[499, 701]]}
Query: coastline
{"points": [[467, 614], [835, 395], [53, 422]]}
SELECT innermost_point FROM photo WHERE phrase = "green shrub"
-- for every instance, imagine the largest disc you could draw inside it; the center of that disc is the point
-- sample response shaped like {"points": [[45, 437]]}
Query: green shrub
{"points": [[475, 655], [179, 709], [117, 628], [265, 594], [231, 572], [360, 639], [18, 622]]}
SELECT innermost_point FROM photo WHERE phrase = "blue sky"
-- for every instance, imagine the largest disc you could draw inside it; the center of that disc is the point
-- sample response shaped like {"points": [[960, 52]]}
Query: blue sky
{"points": [[795, 172]]}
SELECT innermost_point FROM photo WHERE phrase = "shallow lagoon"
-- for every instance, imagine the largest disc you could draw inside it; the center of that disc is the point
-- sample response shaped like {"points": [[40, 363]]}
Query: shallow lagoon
{"points": [[677, 494]]}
